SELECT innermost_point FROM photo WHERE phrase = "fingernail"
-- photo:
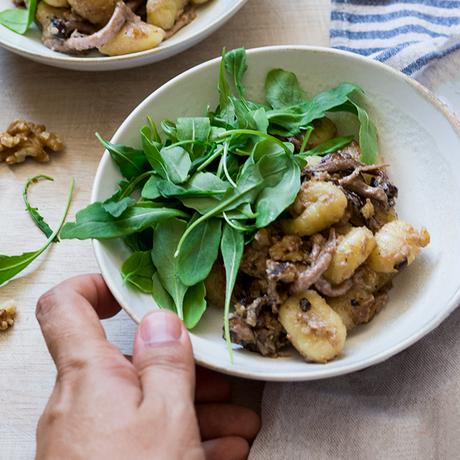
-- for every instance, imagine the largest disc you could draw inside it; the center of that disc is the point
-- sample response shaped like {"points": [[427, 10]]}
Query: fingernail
{"points": [[160, 327]]}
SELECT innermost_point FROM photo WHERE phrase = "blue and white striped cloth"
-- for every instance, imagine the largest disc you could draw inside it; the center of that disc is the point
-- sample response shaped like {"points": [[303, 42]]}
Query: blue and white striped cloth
{"points": [[406, 34]]}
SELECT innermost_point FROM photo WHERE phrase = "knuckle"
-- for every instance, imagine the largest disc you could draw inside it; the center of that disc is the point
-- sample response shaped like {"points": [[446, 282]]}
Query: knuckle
{"points": [[53, 415], [72, 366], [107, 361], [55, 412]]}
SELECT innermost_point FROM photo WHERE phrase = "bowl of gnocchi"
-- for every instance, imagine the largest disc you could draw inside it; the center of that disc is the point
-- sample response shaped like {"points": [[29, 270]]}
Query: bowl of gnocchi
{"points": [[303, 210], [97, 35]]}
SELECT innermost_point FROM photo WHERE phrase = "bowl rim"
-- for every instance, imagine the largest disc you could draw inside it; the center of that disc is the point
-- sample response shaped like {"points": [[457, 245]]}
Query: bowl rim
{"points": [[163, 52], [323, 371]]}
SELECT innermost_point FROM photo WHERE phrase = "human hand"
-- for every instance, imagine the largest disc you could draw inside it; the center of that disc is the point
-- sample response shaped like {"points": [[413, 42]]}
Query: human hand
{"points": [[104, 406]]}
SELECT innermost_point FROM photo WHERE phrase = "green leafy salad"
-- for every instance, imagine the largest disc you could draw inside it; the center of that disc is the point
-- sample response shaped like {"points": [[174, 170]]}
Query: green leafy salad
{"points": [[200, 188]]}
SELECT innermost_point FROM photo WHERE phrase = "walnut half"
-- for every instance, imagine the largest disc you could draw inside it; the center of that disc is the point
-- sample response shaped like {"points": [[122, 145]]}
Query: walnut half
{"points": [[7, 315], [24, 139]]}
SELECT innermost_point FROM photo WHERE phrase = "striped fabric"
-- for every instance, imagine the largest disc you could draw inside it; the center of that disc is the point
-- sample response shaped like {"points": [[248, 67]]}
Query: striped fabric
{"points": [[406, 34]]}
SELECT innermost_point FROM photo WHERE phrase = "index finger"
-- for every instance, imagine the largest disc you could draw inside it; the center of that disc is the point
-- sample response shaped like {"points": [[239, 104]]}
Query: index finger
{"points": [[69, 318]]}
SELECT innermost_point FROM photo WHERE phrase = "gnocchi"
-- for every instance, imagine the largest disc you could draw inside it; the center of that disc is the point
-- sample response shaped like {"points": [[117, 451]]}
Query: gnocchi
{"points": [[132, 38], [314, 328], [164, 13], [397, 246], [320, 205], [353, 249]]}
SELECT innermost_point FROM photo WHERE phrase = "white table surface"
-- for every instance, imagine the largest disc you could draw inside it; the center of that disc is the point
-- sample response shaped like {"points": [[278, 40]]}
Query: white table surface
{"points": [[75, 105]]}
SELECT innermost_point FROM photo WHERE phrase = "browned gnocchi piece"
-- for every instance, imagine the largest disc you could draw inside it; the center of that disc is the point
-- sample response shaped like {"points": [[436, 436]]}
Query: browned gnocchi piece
{"points": [[164, 13], [397, 246], [133, 37], [320, 205], [352, 250], [314, 328]]}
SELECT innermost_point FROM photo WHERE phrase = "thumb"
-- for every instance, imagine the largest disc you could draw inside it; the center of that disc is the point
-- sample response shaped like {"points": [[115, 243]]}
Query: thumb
{"points": [[163, 358]]}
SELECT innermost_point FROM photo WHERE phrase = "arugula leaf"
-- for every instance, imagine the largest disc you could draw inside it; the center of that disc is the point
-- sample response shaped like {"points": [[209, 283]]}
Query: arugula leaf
{"points": [[282, 89], [194, 305], [330, 146], [199, 252], [150, 190], [10, 266], [202, 204], [195, 195], [177, 163], [282, 183], [117, 204], [194, 129], [169, 190], [138, 271], [160, 296], [154, 134], [226, 110], [117, 208], [367, 137], [152, 152], [206, 181], [231, 246], [34, 214], [131, 162], [169, 128], [236, 66], [19, 20], [298, 117], [95, 222], [165, 239], [248, 118]]}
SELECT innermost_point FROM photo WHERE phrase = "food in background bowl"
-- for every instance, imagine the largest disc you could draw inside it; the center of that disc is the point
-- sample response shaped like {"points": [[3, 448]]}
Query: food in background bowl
{"points": [[240, 198], [112, 27]]}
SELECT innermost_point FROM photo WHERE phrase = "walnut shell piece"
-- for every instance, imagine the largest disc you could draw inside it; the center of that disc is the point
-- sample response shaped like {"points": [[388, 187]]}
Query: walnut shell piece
{"points": [[7, 315], [25, 139]]}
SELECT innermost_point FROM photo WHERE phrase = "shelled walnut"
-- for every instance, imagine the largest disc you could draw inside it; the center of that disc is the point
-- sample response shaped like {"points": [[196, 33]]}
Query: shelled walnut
{"points": [[7, 315], [24, 139]]}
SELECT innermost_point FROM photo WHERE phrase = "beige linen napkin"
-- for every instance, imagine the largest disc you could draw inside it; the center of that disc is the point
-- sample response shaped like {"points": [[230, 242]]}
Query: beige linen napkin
{"points": [[405, 408]]}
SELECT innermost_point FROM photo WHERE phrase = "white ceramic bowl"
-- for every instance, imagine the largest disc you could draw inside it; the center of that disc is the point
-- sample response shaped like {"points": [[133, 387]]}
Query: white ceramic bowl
{"points": [[210, 17], [418, 138]]}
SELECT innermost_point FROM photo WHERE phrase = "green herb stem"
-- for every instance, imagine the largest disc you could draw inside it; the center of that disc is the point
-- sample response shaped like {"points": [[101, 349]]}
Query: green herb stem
{"points": [[224, 163], [306, 138], [253, 132], [209, 214], [206, 163]]}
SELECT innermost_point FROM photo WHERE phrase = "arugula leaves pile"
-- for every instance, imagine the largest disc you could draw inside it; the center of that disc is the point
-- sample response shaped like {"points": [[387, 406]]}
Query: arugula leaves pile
{"points": [[206, 184]]}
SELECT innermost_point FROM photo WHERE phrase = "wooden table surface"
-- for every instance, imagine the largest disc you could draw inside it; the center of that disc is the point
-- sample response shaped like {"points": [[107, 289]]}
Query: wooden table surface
{"points": [[75, 105]]}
